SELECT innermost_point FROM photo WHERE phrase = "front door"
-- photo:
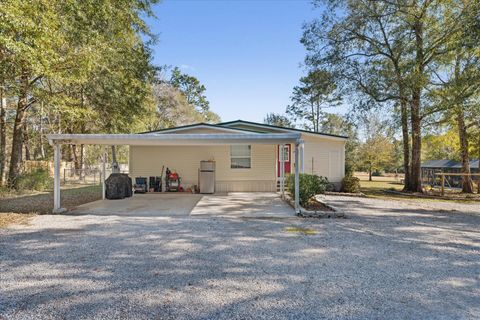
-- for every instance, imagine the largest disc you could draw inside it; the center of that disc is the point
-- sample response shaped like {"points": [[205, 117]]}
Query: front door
{"points": [[287, 154]]}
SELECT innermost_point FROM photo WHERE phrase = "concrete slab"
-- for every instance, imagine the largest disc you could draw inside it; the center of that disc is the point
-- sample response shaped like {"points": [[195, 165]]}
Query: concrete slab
{"points": [[244, 204], [247, 204], [143, 205]]}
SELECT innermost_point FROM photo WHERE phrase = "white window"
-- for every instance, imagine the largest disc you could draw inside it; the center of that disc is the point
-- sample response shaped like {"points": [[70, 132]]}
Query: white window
{"points": [[286, 153], [240, 157]]}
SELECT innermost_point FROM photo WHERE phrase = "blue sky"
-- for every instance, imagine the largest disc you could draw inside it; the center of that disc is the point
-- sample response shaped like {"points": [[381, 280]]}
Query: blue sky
{"points": [[247, 53]]}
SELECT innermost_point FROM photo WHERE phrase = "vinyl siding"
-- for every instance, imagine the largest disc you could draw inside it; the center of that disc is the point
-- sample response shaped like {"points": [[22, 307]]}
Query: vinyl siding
{"points": [[147, 161], [324, 157]]}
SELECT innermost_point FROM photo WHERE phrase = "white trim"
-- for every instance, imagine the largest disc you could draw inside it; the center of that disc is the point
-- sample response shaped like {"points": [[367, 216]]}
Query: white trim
{"points": [[287, 147], [104, 173], [57, 200], [172, 139], [249, 157], [297, 181], [302, 156]]}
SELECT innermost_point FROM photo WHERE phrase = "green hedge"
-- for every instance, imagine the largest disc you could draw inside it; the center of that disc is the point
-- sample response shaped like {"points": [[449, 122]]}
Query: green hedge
{"points": [[310, 185]]}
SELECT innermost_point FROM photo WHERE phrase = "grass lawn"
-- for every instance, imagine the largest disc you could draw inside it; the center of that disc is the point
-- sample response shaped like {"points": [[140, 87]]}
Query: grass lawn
{"points": [[379, 187], [42, 202]]}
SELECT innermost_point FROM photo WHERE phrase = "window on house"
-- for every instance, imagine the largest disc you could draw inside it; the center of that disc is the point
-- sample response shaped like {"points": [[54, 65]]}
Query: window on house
{"points": [[240, 157]]}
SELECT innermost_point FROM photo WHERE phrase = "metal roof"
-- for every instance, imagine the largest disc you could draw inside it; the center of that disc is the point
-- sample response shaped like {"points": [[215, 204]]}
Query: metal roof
{"points": [[173, 139], [199, 125], [229, 123], [444, 163]]}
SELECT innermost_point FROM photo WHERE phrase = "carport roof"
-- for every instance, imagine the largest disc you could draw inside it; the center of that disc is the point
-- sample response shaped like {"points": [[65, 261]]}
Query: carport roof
{"points": [[173, 139]]}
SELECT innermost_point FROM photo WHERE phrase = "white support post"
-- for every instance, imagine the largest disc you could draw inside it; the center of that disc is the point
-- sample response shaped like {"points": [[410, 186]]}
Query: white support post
{"points": [[282, 170], [302, 158], [57, 206], [297, 181], [104, 159]]}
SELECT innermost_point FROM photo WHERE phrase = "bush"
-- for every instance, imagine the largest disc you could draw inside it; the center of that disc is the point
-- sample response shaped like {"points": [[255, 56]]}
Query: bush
{"points": [[351, 184], [377, 173], [310, 185], [38, 179]]}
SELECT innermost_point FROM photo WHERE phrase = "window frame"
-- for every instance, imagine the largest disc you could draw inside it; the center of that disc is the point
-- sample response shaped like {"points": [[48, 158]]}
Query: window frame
{"points": [[249, 157]]}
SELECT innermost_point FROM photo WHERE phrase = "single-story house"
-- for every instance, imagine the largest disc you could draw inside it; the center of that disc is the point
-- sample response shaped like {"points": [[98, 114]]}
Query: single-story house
{"points": [[247, 155]]}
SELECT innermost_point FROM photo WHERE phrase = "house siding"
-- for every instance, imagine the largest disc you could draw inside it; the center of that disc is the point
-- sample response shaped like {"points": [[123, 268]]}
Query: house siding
{"points": [[147, 161], [324, 157]]}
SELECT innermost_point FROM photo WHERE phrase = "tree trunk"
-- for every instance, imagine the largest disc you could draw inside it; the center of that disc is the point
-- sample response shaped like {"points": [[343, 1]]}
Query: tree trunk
{"points": [[406, 145], [415, 169], [40, 130], [26, 140], [115, 168], [3, 136], [82, 162], [76, 162], [467, 185], [17, 142], [370, 173]]}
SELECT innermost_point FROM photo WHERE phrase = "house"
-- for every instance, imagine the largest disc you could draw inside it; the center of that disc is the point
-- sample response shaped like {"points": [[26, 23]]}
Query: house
{"points": [[248, 155], [241, 168], [432, 167]]}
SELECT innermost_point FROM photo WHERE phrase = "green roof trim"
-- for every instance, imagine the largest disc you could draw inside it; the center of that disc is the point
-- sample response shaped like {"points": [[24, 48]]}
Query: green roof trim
{"points": [[281, 128], [188, 126]]}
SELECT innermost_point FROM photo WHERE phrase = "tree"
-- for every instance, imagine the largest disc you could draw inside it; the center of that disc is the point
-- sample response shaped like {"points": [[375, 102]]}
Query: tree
{"points": [[378, 150], [315, 92], [457, 90], [172, 108], [86, 62], [30, 48], [363, 44], [278, 120], [375, 153], [194, 93], [438, 145], [389, 50]]}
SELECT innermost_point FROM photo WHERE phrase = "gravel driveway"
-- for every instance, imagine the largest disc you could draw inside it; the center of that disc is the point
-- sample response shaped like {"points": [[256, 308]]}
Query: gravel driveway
{"points": [[391, 260]]}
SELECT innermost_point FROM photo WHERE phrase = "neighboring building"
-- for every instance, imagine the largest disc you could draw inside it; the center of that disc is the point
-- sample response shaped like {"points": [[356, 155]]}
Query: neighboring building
{"points": [[430, 168], [241, 168]]}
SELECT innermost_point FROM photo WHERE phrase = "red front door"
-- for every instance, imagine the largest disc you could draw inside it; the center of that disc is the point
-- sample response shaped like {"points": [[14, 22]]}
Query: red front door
{"points": [[288, 154]]}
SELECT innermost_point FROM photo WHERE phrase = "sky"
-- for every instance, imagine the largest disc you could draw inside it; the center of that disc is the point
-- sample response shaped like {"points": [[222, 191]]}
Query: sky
{"points": [[246, 52]]}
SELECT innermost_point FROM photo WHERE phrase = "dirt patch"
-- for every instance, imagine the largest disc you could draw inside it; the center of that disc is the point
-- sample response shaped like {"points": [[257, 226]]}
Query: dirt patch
{"points": [[314, 205], [7, 219], [43, 203]]}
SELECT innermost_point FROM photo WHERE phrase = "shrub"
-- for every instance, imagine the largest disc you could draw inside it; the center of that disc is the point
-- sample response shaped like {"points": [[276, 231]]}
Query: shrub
{"points": [[377, 173], [310, 185], [38, 179], [351, 184]]}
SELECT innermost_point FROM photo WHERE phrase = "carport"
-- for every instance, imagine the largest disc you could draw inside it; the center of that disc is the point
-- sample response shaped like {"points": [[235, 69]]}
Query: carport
{"points": [[56, 140]]}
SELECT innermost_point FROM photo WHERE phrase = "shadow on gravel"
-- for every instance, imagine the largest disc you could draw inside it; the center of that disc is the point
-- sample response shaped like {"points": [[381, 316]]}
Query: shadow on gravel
{"points": [[373, 266]]}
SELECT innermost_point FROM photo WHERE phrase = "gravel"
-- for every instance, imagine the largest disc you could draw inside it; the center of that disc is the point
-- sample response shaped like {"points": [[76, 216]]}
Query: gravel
{"points": [[389, 259]]}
